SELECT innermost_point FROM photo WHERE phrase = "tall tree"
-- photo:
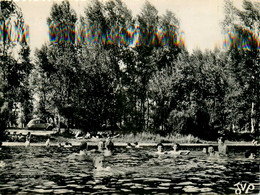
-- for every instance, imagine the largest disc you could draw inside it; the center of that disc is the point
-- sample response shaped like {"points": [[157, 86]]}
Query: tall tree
{"points": [[242, 42], [15, 61]]}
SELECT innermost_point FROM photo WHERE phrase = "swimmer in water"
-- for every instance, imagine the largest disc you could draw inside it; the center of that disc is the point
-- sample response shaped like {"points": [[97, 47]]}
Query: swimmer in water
{"points": [[176, 150], [109, 147], [136, 144], [98, 164], [160, 149], [128, 145], [83, 152], [222, 147], [212, 152], [67, 145], [28, 139], [251, 154], [101, 145], [47, 143]]}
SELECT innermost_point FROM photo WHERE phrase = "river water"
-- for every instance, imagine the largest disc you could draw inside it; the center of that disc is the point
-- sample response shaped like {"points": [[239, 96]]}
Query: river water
{"points": [[36, 170]]}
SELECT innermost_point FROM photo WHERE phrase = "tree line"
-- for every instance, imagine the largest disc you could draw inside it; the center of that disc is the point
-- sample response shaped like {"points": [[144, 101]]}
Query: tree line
{"points": [[108, 69]]}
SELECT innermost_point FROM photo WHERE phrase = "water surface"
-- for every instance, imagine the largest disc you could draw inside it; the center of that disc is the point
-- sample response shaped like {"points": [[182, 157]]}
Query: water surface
{"points": [[37, 170]]}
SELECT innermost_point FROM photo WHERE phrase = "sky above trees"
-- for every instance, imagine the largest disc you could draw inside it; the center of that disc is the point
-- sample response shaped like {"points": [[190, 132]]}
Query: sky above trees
{"points": [[200, 20]]}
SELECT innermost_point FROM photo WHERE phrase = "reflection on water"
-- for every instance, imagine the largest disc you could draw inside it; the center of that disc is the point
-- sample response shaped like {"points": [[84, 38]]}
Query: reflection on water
{"points": [[37, 170]]}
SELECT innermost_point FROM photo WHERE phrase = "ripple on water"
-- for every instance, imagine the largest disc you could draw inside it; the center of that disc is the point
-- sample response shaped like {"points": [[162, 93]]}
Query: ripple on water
{"points": [[185, 183], [165, 184], [62, 191], [191, 189], [42, 191], [125, 190], [205, 189]]}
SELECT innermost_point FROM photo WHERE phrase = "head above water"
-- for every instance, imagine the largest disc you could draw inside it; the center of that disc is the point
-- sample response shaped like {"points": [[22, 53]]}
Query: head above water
{"points": [[176, 146], [221, 140], [83, 146], [159, 147], [211, 150]]}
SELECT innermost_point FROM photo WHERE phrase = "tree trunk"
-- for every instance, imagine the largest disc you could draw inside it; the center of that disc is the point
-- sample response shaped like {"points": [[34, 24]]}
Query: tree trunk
{"points": [[252, 118]]}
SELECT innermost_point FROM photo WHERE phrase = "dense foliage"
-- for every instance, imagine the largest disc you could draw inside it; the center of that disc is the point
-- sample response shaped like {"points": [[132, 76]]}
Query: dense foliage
{"points": [[15, 67], [110, 70]]}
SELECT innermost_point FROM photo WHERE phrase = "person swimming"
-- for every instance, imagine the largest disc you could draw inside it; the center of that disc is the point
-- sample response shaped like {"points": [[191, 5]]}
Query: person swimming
{"points": [[251, 154], [128, 145], [160, 148], [211, 152], [83, 152], [28, 139], [136, 144], [222, 147], [47, 143], [109, 147], [176, 150], [101, 146], [67, 145]]}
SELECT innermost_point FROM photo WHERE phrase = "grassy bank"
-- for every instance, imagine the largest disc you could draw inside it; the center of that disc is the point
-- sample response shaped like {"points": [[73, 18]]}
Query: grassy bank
{"points": [[146, 137]]}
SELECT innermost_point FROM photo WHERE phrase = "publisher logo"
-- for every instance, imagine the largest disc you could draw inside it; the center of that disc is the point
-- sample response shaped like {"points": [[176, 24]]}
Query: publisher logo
{"points": [[244, 188]]}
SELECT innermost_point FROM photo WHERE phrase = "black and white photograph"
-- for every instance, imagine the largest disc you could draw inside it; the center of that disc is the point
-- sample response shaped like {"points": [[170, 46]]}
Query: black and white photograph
{"points": [[129, 97]]}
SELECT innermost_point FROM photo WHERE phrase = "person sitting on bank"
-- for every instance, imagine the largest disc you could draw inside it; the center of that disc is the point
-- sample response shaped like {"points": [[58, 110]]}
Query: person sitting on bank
{"points": [[222, 147], [14, 137], [28, 139], [176, 150]]}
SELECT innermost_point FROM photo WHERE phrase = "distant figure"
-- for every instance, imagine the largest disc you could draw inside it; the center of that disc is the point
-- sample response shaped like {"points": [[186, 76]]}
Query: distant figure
{"points": [[222, 147], [14, 137], [88, 135], [28, 139], [83, 149], [67, 145], [212, 152], [83, 152], [251, 154], [101, 146], [2, 164], [98, 164], [109, 147], [20, 137], [204, 150], [176, 150], [136, 144], [47, 143], [160, 149], [128, 145], [8, 136]]}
